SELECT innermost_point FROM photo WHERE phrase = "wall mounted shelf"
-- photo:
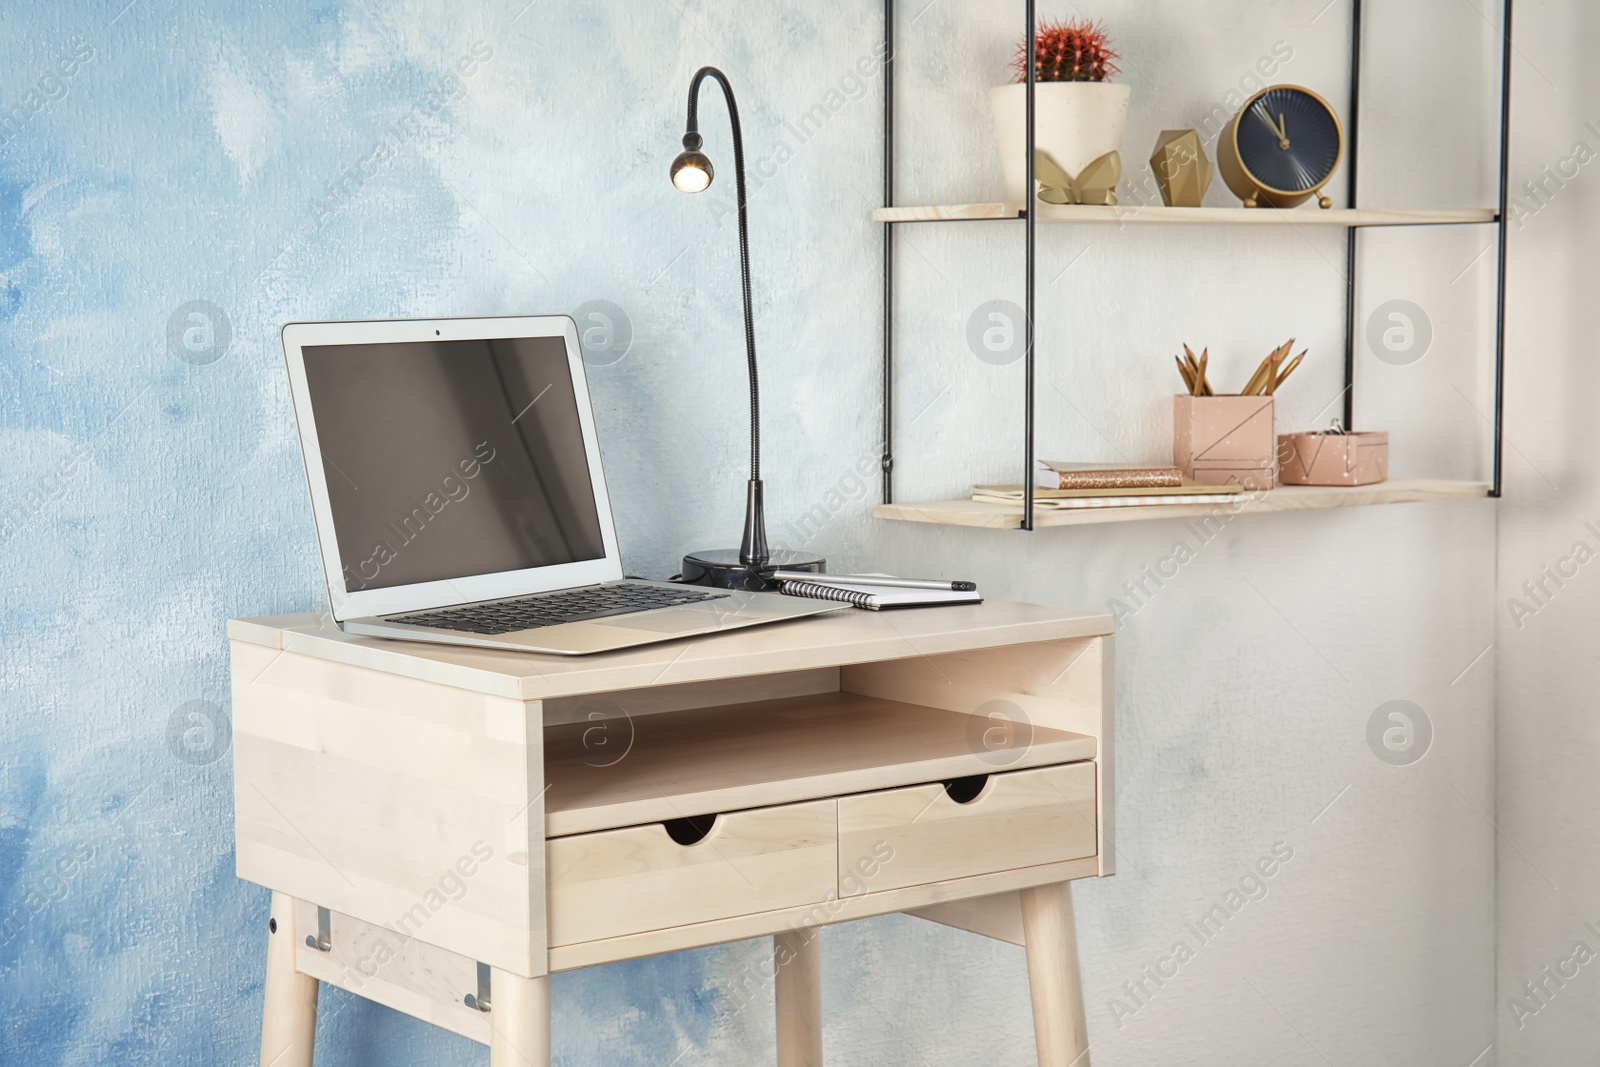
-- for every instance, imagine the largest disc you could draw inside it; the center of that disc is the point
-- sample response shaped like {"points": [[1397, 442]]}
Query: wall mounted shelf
{"points": [[1351, 218], [1283, 498], [1157, 215]]}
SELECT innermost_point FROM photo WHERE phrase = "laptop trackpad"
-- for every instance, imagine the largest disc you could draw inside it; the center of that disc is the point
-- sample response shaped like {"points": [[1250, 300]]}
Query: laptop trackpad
{"points": [[679, 621]]}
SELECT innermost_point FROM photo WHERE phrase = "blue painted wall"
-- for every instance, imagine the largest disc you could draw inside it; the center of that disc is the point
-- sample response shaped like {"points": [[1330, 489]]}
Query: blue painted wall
{"points": [[176, 181], [179, 179]]}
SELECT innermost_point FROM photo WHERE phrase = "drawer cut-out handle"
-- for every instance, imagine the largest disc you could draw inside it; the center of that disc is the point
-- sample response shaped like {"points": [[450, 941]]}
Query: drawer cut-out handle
{"points": [[966, 790], [691, 830]]}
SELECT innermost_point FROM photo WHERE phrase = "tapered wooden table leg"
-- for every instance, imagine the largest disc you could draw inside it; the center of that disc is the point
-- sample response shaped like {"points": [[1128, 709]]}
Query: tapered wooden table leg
{"points": [[289, 1013], [519, 1020], [797, 955], [1059, 1025]]}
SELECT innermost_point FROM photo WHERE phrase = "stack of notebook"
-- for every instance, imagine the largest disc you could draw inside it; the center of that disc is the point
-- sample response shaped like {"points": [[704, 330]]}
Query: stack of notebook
{"points": [[1062, 486]]}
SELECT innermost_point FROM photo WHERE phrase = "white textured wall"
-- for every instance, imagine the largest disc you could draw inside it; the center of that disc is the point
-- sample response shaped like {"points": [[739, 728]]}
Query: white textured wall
{"points": [[1548, 737], [183, 161]]}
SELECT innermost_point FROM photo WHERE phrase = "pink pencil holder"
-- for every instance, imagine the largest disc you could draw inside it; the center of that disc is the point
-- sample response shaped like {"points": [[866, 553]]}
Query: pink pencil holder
{"points": [[1225, 440]]}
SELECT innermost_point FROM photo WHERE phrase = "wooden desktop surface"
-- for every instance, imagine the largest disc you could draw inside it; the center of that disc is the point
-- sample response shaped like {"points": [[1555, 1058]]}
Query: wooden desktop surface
{"points": [[843, 637]]}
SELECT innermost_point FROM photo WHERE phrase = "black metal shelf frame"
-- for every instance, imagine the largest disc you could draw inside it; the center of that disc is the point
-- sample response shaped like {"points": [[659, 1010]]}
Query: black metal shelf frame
{"points": [[1030, 224]]}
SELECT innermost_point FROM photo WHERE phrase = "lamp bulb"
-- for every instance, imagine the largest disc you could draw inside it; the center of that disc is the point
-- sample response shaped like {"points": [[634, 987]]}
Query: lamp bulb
{"points": [[691, 172]]}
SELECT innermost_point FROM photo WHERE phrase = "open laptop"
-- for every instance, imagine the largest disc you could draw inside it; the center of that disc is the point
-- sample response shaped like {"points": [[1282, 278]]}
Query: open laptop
{"points": [[456, 484]]}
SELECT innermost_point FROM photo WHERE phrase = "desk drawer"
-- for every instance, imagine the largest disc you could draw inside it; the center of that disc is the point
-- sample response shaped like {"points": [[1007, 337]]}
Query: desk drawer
{"points": [[639, 878], [1017, 819]]}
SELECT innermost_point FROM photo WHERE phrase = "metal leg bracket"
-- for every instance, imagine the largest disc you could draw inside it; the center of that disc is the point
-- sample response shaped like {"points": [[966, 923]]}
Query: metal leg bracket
{"points": [[481, 1001], [323, 942]]}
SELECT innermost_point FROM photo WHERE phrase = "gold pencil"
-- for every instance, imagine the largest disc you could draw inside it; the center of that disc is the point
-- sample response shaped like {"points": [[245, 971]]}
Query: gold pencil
{"points": [[1293, 363], [1188, 381]]}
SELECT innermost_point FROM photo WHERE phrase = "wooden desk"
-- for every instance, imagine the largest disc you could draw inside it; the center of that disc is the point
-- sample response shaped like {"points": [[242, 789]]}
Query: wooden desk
{"points": [[443, 828]]}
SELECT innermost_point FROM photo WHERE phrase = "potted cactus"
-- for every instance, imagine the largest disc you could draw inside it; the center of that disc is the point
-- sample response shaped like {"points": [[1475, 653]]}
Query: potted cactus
{"points": [[1078, 112]]}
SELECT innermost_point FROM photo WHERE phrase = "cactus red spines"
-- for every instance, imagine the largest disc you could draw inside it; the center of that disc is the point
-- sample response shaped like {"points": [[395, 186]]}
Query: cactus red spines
{"points": [[1075, 50]]}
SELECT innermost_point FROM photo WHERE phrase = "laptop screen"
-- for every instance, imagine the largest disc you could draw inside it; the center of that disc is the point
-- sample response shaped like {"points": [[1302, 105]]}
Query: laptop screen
{"points": [[447, 459]]}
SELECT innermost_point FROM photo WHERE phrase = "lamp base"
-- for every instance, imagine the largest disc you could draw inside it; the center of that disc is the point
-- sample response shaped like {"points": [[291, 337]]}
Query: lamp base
{"points": [[720, 568]]}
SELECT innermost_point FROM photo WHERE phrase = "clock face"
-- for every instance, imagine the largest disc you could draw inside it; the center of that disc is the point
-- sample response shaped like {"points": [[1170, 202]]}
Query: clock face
{"points": [[1288, 140]]}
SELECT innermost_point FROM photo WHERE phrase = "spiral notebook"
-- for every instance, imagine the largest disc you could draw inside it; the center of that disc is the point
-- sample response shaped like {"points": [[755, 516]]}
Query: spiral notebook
{"points": [[878, 597]]}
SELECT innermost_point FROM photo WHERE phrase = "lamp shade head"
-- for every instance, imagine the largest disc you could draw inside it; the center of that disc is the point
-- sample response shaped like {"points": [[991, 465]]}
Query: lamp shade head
{"points": [[691, 172]]}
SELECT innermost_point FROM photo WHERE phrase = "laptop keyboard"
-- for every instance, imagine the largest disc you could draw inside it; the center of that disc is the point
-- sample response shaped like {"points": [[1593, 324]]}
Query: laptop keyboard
{"points": [[553, 609]]}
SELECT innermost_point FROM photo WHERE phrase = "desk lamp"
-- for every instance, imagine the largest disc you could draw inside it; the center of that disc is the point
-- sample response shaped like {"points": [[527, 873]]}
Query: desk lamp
{"points": [[750, 566]]}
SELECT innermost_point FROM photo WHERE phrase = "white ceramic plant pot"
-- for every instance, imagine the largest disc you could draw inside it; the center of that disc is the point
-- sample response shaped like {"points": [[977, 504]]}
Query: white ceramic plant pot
{"points": [[1076, 122]]}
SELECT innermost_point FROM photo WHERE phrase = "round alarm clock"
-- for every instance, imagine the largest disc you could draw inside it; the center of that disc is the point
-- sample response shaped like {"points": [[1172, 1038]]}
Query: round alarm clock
{"points": [[1281, 148]]}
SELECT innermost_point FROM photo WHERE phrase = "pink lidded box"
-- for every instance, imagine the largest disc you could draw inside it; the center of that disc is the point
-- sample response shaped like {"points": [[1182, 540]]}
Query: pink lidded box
{"points": [[1331, 458]]}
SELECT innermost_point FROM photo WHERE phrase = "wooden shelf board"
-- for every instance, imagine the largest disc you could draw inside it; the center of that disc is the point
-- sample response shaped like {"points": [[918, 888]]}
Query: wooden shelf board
{"points": [[1133, 214], [1283, 498], [771, 752]]}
